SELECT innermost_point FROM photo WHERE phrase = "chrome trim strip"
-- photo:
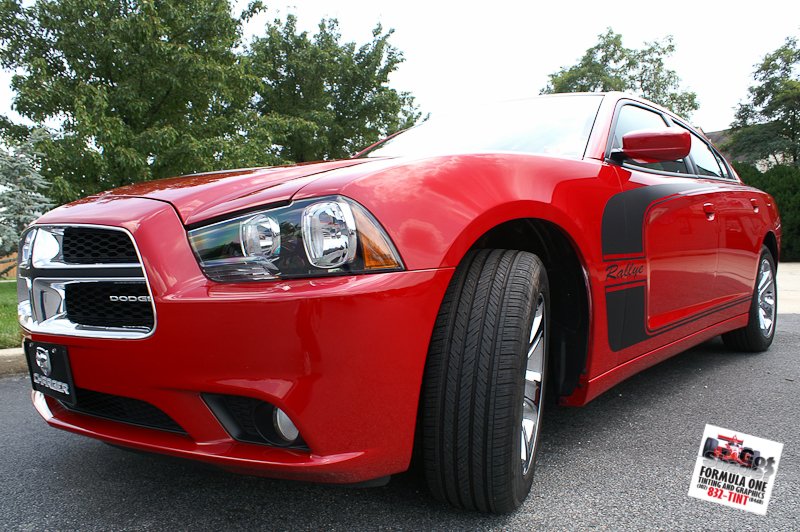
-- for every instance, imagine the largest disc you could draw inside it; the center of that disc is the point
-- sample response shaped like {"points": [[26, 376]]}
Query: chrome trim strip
{"points": [[64, 265]]}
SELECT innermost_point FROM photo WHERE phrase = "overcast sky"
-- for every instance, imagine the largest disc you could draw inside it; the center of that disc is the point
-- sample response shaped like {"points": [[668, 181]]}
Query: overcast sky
{"points": [[461, 52]]}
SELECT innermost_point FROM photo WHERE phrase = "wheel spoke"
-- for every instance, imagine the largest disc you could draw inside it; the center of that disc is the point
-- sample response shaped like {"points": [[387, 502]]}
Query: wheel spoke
{"points": [[534, 346], [766, 297], [528, 441], [765, 282], [523, 447], [534, 369], [538, 322], [532, 392], [533, 376]]}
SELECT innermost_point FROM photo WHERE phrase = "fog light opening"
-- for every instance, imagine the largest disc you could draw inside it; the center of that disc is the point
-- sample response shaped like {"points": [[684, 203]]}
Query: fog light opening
{"points": [[251, 420], [274, 426], [284, 426]]}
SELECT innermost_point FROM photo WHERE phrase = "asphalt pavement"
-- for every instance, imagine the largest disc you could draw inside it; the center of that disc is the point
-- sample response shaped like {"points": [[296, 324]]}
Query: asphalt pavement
{"points": [[623, 462]]}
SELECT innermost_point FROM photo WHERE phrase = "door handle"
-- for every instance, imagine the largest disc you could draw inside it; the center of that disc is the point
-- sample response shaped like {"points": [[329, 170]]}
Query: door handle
{"points": [[710, 211], [754, 203]]}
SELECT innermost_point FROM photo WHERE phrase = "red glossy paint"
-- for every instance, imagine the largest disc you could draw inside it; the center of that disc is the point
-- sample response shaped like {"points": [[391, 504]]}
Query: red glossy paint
{"points": [[344, 356], [657, 145], [202, 196]]}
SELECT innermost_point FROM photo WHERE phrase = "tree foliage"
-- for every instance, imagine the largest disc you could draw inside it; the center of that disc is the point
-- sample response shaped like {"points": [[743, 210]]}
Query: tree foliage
{"points": [[610, 66], [767, 125], [143, 89], [327, 99], [22, 197], [783, 183]]}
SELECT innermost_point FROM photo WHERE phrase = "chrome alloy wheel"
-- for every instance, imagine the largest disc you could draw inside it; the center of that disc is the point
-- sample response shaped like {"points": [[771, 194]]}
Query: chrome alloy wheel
{"points": [[531, 402], [766, 298]]}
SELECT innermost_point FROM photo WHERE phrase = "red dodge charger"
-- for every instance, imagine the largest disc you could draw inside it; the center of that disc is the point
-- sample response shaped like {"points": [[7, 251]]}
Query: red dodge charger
{"points": [[321, 321]]}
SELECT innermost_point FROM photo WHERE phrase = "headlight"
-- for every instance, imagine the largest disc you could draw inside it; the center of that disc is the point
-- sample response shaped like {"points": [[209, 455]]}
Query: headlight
{"points": [[26, 248], [329, 234], [309, 238]]}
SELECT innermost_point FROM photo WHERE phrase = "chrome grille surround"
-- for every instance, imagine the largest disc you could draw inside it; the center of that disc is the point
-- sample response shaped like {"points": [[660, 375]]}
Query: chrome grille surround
{"points": [[42, 281]]}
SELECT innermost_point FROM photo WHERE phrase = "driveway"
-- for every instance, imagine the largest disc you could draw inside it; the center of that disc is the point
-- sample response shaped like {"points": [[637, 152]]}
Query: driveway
{"points": [[623, 462]]}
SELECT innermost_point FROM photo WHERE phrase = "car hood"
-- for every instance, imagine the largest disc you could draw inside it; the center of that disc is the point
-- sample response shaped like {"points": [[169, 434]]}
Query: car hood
{"points": [[199, 197]]}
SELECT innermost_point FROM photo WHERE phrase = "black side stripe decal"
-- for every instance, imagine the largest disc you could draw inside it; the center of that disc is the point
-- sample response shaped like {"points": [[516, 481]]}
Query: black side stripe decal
{"points": [[621, 233], [626, 320], [623, 216]]}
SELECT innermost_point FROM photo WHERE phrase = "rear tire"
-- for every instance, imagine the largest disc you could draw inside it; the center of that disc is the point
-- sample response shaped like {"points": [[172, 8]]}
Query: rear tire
{"points": [[757, 336], [484, 382]]}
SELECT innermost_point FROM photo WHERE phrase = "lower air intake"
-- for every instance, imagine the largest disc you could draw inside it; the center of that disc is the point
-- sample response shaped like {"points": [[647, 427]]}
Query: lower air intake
{"points": [[124, 409]]}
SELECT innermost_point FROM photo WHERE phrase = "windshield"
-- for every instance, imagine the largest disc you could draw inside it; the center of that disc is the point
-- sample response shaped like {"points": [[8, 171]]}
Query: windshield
{"points": [[550, 125]]}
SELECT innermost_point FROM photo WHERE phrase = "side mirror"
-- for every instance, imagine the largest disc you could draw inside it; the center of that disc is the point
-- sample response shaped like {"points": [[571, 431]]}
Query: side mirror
{"points": [[653, 145]]}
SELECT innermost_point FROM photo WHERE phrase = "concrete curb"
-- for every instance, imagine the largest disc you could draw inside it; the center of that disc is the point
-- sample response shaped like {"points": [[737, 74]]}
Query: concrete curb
{"points": [[789, 288], [12, 362]]}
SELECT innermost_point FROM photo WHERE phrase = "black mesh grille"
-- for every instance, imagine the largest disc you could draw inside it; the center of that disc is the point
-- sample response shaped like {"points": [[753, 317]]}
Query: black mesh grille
{"points": [[122, 409], [109, 304], [84, 245]]}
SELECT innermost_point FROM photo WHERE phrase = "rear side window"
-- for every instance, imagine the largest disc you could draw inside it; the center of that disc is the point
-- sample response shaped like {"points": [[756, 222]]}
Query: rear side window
{"points": [[634, 118], [705, 160], [722, 166]]}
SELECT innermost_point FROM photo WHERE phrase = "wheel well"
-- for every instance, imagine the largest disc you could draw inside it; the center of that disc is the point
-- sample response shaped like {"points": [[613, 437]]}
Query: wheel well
{"points": [[568, 289], [772, 245]]}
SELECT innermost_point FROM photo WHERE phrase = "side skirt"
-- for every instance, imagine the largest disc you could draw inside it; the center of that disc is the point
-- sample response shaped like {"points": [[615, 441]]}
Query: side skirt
{"points": [[603, 382]]}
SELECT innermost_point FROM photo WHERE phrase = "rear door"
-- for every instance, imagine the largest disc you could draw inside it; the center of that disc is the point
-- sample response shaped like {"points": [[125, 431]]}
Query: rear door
{"points": [[740, 243], [740, 226]]}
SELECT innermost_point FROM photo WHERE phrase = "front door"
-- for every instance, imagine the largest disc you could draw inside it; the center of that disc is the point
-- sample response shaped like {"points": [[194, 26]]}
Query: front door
{"points": [[660, 238]]}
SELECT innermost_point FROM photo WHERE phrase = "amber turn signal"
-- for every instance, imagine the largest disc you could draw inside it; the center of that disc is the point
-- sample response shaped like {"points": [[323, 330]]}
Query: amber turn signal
{"points": [[377, 252]]}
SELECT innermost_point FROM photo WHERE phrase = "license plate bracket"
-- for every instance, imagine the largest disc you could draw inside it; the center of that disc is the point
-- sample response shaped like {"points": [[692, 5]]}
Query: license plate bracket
{"points": [[50, 370]]}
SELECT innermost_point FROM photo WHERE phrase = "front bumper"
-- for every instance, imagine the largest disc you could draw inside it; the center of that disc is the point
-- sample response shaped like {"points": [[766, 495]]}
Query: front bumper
{"points": [[343, 356]]}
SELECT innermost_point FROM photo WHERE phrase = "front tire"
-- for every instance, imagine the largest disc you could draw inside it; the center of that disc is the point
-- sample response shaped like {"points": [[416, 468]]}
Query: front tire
{"points": [[484, 382], [760, 330]]}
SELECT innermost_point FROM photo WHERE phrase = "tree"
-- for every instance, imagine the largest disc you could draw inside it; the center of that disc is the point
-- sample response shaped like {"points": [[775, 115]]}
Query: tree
{"points": [[324, 98], [783, 183], [609, 66], [767, 125], [144, 89], [21, 193]]}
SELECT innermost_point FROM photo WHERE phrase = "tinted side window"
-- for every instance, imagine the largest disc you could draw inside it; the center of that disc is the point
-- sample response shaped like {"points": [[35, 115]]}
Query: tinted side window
{"points": [[633, 118], [722, 166], [704, 159]]}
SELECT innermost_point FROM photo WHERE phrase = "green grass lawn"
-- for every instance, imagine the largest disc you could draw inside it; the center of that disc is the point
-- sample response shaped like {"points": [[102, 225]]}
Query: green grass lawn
{"points": [[10, 335]]}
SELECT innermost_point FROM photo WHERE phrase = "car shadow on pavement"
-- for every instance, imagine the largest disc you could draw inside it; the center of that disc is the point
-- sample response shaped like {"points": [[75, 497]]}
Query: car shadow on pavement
{"points": [[214, 499]]}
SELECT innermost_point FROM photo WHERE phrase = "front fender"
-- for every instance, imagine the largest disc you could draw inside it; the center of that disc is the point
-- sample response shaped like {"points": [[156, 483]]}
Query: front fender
{"points": [[435, 209]]}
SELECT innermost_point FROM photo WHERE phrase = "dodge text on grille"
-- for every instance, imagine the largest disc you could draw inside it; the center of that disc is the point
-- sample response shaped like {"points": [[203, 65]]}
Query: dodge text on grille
{"points": [[129, 299]]}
